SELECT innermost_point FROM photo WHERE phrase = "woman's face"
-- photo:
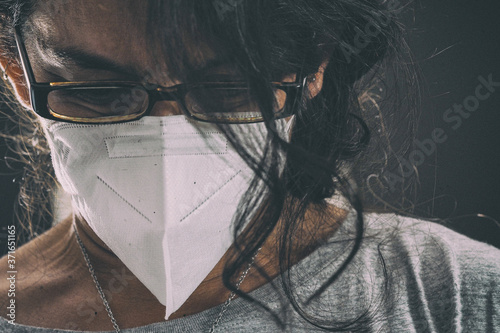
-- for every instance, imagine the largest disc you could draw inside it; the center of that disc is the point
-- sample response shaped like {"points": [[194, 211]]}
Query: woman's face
{"points": [[86, 40]]}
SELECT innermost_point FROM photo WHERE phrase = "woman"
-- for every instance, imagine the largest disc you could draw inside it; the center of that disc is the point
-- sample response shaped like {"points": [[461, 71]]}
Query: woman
{"points": [[203, 145]]}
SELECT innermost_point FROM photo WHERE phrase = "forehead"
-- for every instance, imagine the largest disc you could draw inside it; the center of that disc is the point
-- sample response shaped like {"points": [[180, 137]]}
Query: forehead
{"points": [[112, 29]]}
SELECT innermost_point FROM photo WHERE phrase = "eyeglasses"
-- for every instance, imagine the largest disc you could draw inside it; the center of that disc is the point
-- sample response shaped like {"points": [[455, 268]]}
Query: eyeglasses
{"points": [[121, 101]]}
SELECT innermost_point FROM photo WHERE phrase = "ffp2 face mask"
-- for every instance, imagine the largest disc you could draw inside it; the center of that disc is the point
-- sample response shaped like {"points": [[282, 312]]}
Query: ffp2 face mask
{"points": [[160, 192]]}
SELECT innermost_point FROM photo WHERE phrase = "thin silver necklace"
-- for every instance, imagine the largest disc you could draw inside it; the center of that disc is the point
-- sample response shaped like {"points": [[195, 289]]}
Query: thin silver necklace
{"points": [[233, 294], [96, 282], [108, 309]]}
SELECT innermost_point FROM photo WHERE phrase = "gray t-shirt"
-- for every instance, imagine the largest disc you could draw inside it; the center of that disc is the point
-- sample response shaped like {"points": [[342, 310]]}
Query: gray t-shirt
{"points": [[408, 276]]}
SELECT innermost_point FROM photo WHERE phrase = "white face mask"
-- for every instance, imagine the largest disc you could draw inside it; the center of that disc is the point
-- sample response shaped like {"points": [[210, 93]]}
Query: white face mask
{"points": [[160, 192]]}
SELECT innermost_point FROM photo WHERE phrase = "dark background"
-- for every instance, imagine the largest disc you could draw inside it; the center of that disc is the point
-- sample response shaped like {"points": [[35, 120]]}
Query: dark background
{"points": [[454, 42]]}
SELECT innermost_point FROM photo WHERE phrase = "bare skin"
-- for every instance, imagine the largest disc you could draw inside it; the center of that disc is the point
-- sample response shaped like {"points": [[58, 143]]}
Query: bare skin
{"points": [[54, 288]]}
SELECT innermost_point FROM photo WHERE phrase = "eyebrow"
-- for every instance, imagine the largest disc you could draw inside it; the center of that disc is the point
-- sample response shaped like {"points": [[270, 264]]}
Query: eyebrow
{"points": [[91, 61], [86, 60]]}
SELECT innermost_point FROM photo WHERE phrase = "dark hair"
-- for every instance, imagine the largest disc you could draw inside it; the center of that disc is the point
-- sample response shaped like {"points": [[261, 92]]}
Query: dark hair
{"points": [[268, 40]]}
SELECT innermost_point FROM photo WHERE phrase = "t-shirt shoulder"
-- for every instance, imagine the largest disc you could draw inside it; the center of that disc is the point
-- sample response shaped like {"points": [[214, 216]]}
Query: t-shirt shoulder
{"points": [[422, 275], [456, 279], [431, 239]]}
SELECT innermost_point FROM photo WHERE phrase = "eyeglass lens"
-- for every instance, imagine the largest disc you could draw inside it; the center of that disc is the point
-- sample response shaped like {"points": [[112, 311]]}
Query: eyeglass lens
{"points": [[205, 103]]}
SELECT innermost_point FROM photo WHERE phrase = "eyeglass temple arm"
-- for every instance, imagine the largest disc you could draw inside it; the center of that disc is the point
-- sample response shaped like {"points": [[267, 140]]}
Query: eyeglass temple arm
{"points": [[28, 72]]}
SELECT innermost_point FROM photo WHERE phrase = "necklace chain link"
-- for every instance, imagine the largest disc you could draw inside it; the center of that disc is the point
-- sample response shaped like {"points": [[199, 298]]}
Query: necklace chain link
{"points": [[106, 304], [96, 282], [233, 294]]}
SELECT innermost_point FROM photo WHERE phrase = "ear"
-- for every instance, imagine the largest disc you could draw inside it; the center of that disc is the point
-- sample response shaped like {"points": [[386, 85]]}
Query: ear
{"points": [[14, 75], [315, 81]]}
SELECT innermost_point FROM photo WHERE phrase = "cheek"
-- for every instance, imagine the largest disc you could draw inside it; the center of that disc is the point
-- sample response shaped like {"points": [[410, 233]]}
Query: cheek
{"points": [[280, 99]]}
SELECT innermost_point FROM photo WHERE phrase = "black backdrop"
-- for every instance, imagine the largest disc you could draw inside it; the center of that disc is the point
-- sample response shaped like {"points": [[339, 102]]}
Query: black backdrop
{"points": [[455, 42]]}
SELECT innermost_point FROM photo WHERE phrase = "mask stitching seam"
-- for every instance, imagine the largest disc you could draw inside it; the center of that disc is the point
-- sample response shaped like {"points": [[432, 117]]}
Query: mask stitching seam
{"points": [[210, 196], [128, 203], [193, 133], [59, 126], [155, 155], [163, 155], [55, 127], [163, 134], [165, 123]]}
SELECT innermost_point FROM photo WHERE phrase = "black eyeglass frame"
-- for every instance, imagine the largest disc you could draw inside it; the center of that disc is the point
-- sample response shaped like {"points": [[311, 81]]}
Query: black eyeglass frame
{"points": [[39, 94]]}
